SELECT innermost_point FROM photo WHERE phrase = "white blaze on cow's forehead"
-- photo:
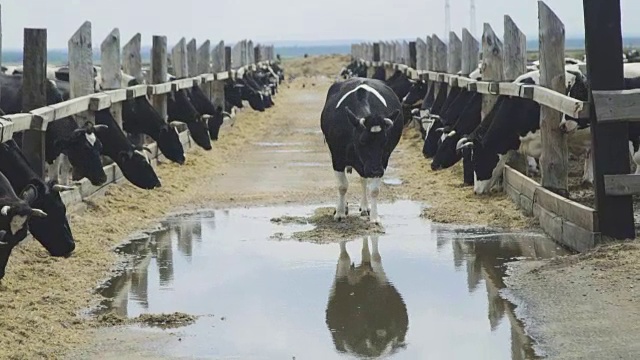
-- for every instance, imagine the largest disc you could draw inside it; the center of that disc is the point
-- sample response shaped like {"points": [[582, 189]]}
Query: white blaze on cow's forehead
{"points": [[17, 222], [365, 87], [376, 129], [91, 138], [5, 210]]}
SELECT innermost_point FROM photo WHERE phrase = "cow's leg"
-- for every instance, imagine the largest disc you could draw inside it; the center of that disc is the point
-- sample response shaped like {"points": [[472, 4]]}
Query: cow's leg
{"points": [[65, 170], [364, 202], [344, 261], [366, 254], [343, 186], [374, 191], [587, 176]]}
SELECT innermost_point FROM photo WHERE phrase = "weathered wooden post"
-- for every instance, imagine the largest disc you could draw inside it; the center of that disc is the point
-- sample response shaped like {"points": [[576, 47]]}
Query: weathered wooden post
{"points": [[34, 94], [159, 72], [132, 59], [470, 50], [609, 144], [421, 54], [219, 65], [455, 54], [554, 161], [250, 58], [111, 69], [236, 55], [204, 66], [492, 65], [179, 59], [257, 53], [515, 64], [192, 58], [413, 55], [81, 82], [429, 56], [228, 58], [439, 59], [0, 38]]}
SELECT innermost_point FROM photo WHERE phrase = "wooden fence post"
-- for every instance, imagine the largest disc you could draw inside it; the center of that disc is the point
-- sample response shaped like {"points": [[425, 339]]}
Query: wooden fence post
{"points": [[192, 58], [111, 70], [421, 56], [34, 94], [179, 59], [515, 64], [492, 65], [439, 59], [236, 55], [376, 52], [1, 38], [204, 66], [219, 66], [132, 59], [413, 55], [455, 54], [554, 161], [228, 58], [470, 50], [257, 53], [609, 145], [250, 51], [81, 82], [159, 72], [429, 57]]}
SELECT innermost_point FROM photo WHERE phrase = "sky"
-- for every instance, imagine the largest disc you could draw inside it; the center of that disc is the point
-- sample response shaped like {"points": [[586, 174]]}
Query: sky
{"points": [[280, 20]]}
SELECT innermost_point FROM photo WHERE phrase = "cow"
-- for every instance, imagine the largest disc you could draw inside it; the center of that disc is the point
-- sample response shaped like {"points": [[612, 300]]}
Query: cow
{"points": [[180, 108], [53, 231], [140, 117], [515, 127], [232, 95], [441, 103], [204, 106], [133, 162], [400, 84], [14, 216], [354, 69], [362, 124], [366, 315], [63, 136]]}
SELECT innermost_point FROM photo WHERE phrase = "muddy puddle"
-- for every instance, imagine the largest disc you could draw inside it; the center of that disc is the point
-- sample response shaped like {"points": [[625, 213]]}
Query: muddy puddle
{"points": [[415, 290]]}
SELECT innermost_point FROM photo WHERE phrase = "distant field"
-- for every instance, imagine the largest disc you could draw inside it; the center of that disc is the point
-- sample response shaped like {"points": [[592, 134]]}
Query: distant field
{"points": [[574, 48]]}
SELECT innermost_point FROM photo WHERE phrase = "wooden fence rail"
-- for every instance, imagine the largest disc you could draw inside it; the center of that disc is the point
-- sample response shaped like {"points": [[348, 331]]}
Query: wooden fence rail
{"points": [[608, 109]]}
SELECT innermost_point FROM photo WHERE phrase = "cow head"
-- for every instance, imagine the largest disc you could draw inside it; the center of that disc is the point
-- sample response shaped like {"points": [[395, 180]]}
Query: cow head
{"points": [[52, 231], [14, 214], [136, 167], [433, 130], [83, 149], [370, 138], [416, 94], [254, 97], [446, 154], [216, 121], [233, 94], [578, 88], [170, 145]]}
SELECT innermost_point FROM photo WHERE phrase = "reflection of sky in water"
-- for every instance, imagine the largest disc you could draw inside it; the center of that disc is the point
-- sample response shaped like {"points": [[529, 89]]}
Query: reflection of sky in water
{"points": [[274, 294]]}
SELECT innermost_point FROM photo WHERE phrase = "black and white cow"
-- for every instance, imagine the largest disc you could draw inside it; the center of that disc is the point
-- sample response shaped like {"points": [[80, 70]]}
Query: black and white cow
{"points": [[14, 216], [400, 84], [515, 127], [204, 106], [362, 124], [133, 162], [366, 314], [140, 117], [62, 136], [53, 231], [180, 108]]}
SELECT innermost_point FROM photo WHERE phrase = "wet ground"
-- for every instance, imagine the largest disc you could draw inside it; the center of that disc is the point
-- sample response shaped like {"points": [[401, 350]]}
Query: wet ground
{"points": [[419, 290]]}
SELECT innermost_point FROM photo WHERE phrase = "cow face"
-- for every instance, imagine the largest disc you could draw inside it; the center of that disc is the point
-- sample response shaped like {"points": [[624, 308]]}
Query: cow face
{"points": [[446, 155], [577, 89], [233, 94], [14, 214], [199, 131], [52, 231], [170, 145], [136, 167], [416, 94], [255, 98], [369, 140], [83, 149], [215, 122], [432, 139]]}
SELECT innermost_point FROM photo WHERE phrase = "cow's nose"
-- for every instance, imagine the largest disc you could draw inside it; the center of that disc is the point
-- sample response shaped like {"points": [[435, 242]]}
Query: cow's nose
{"points": [[436, 166]]}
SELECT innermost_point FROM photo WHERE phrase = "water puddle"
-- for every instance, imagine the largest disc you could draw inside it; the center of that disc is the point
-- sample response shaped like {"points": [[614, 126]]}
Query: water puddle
{"points": [[418, 290]]}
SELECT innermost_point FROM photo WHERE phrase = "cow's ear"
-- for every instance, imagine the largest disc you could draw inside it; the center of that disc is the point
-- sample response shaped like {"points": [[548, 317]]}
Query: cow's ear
{"points": [[353, 119]]}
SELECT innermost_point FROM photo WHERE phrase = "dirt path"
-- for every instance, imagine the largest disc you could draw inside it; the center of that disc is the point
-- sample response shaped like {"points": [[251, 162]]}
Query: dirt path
{"points": [[275, 157]]}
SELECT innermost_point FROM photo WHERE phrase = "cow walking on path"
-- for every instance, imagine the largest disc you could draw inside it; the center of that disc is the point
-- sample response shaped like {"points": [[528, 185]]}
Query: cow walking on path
{"points": [[362, 123]]}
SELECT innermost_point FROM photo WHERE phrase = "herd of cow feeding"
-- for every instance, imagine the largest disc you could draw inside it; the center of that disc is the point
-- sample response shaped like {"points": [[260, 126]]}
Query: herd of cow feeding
{"points": [[31, 202]]}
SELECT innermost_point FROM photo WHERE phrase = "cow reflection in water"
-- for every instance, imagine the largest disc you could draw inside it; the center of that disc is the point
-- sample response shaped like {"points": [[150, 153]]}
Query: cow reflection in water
{"points": [[365, 314]]}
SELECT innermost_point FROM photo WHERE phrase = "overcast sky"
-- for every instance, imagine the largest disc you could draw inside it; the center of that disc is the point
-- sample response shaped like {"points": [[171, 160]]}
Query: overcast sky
{"points": [[277, 20]]}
